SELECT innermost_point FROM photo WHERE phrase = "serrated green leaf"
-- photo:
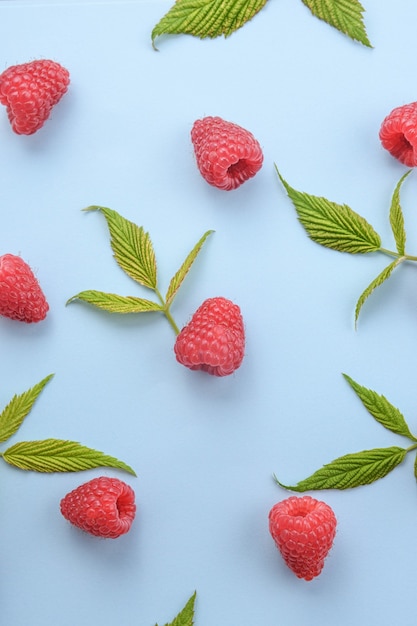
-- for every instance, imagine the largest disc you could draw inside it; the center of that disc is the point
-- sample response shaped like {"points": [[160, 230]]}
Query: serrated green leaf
{"points": [[186, 616], [58, 455], [396, 217], [415, 466], [178, 278], [333, 225], [352, 470], [112, 303], [132, 247], [344, 15], [377, 282], [381, 409], [206, 18], [19, 407]]}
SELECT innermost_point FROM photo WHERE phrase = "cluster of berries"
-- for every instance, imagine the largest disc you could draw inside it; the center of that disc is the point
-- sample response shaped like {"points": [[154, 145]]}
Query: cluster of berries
{"points": [[227, 155]]}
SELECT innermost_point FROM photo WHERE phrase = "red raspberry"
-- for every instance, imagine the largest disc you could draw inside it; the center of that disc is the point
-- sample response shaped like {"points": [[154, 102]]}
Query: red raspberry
{"points": [[104, 507], [29, 91], [21, 297], [227, 154], [303, 529], [398, 134], [214, 339]]}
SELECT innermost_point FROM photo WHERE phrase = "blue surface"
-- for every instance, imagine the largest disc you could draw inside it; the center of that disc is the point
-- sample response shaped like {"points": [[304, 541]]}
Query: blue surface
{"points": [[204, 448]]}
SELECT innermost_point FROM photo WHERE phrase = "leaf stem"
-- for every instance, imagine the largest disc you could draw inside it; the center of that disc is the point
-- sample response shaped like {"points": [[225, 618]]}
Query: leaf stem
{"points": [[167, 312], [400, 257]]}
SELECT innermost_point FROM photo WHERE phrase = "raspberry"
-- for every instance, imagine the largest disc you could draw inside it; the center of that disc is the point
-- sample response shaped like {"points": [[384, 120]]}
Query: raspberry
{"points": [[227, 154], [214, 339], [21, 297], [303, 529], [104, 507], [398, 134], [29, 91]]}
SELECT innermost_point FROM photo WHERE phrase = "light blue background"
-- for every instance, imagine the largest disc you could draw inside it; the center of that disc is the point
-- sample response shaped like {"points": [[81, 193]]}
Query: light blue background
{"points": [[204, 448]]}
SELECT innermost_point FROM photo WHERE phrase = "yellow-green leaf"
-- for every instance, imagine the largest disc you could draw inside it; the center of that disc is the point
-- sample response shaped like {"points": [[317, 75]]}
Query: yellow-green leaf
{"points": [[132, 247], [352, 470], [344, 15], [18, 408], [207, 18], [112, 303], [57, 455], [186, 616], [381, 278], [396, 217], [381, 409], [333, 225], [179, 276]]}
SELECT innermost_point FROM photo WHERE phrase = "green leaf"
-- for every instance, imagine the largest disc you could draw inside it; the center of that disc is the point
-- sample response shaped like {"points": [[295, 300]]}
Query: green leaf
{"points": [[345, 15], [57, 455], [396, 217], [333, 225], [206, 18], [186, 616], [132, 247], [352, 470], [177, 279], [18, 408], [381, 278], [381, 409], [113, 303]]}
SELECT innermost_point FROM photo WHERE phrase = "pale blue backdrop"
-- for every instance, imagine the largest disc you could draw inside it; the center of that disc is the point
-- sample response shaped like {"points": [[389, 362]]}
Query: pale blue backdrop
{"points": [[205, 449]]}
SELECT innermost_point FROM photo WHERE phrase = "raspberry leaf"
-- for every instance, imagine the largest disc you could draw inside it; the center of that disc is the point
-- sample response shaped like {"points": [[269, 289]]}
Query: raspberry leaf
{"points": [[345, 15], [57, 455], [177, 279], [112, 303], [333, 225], [377, 282], [132, 247], [397, 218], [133, 251], [18, 408], [186, 616], [206, 18], [352, 470], [381, 409]]}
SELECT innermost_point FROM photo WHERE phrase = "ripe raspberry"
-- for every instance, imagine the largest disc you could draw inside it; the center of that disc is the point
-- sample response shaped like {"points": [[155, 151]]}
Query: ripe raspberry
{"points": [[303, 529], [29, 91], [227, 154], [398, 134], [21, 297], [104, 507], [214, 339]]}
